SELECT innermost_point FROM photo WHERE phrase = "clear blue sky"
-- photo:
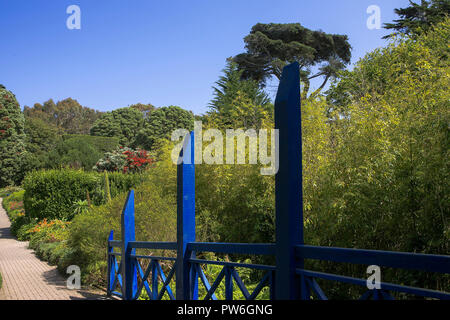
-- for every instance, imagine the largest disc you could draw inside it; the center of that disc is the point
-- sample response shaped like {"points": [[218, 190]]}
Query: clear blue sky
{"points": [[152, 51]]}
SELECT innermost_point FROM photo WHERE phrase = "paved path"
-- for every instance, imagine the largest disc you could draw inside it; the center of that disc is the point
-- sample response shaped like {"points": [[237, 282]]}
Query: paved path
{"points": [[25, 277]]}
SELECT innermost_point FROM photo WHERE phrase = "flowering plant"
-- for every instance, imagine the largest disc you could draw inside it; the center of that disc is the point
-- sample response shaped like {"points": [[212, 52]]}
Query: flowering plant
{"points": [[124, 160]]}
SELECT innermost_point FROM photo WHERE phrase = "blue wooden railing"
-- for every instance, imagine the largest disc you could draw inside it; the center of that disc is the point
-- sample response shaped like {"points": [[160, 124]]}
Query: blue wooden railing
{"points": [[287, 279]]}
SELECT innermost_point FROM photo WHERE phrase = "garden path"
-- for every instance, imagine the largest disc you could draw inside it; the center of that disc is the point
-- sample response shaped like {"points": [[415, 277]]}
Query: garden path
{"points": [[25, 277]]}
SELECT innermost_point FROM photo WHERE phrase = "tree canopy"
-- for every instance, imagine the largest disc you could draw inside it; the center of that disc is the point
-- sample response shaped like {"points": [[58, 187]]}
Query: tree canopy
{"points": [[160, 124], [12, 139], [418, 18], [237, 102], [270, 47], [67, 115], [123, 123]]}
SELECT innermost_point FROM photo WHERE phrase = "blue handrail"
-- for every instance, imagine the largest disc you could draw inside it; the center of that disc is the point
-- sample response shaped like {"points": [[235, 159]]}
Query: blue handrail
{"points": [[288, 278]]}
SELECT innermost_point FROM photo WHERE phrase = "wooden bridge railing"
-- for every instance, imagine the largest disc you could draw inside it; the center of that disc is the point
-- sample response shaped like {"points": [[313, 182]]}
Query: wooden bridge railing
{"points": [[287, 279]]}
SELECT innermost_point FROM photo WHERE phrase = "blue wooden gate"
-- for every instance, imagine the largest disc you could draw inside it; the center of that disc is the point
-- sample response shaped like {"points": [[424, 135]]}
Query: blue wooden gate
{"points": [[287, 279]]}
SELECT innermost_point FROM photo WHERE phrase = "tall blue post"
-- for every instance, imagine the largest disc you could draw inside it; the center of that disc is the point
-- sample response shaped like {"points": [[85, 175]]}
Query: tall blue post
{"points": [[186, 279], [129, 275], [288, 183]]}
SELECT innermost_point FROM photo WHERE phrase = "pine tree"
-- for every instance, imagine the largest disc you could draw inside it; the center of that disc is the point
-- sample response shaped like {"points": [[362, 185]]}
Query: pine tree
{"points": [[418, 18], [229, 88]]}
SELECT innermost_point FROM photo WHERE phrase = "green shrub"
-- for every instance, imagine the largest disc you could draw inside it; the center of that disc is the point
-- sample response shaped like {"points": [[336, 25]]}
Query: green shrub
{"points": [[155, 221], [101, 144], [44, 250], [56, 254], [22, 231], [20, 222], [51, 194], [80, 151], [8, 190], [20, 226]]}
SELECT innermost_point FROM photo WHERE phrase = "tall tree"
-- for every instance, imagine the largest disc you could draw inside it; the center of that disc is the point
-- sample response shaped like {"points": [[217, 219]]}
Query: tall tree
{"points": [[41, 138], [12, 139], [270, 47], [160, 124], [123, 123], [230, 92], [146, 109], [418, 18], [68, 115]]}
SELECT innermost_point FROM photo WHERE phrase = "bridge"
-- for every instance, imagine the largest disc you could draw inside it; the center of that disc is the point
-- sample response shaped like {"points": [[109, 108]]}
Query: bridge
{"points": [[287, 279]]}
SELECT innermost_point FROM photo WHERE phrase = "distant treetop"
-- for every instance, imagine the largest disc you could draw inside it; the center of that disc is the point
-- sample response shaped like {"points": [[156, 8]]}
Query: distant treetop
{"points": [[418, 18]]}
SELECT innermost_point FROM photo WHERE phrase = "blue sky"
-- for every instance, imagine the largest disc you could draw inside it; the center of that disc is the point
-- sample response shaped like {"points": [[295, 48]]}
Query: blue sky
{"points": [[153, 51]]}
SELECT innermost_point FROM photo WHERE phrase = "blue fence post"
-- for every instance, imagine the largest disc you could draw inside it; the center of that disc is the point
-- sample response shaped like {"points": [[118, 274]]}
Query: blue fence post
{"points": [[111, 266], [187, 286], [129, 276], [288, 183]]}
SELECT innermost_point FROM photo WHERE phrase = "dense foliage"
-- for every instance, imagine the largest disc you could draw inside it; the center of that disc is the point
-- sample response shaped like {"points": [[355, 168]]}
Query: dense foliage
{"points": [[270, 47], [238, 103], [419, 18], [51, 194], [80, 151], [124, 160], [123, 123], [12, 139], [160, 123], [67, 115], [375, 162]]}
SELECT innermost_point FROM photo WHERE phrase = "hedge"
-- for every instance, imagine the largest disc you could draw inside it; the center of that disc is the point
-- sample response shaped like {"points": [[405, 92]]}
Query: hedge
{"points": [[51, 194], [102, 144]]}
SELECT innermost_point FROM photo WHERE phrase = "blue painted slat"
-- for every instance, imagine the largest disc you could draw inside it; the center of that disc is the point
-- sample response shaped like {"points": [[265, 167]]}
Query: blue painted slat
{"points": [[234, 248], [264, 282], [404, 260], [288, 182], [128, 235], [144, 282], [366, 295], [166, 282], [316, 288], [375, 295], [386, 295], [193, 282], [204, 280], [115, 243], [153, 245], [118, 267], [215, 284], [233, 264], [152, 257], [185, 218], [117, 278], [384, 285], [154, 279], [305, 293], [272, 281], [240, 283], [228, 283], [112, 253]]}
